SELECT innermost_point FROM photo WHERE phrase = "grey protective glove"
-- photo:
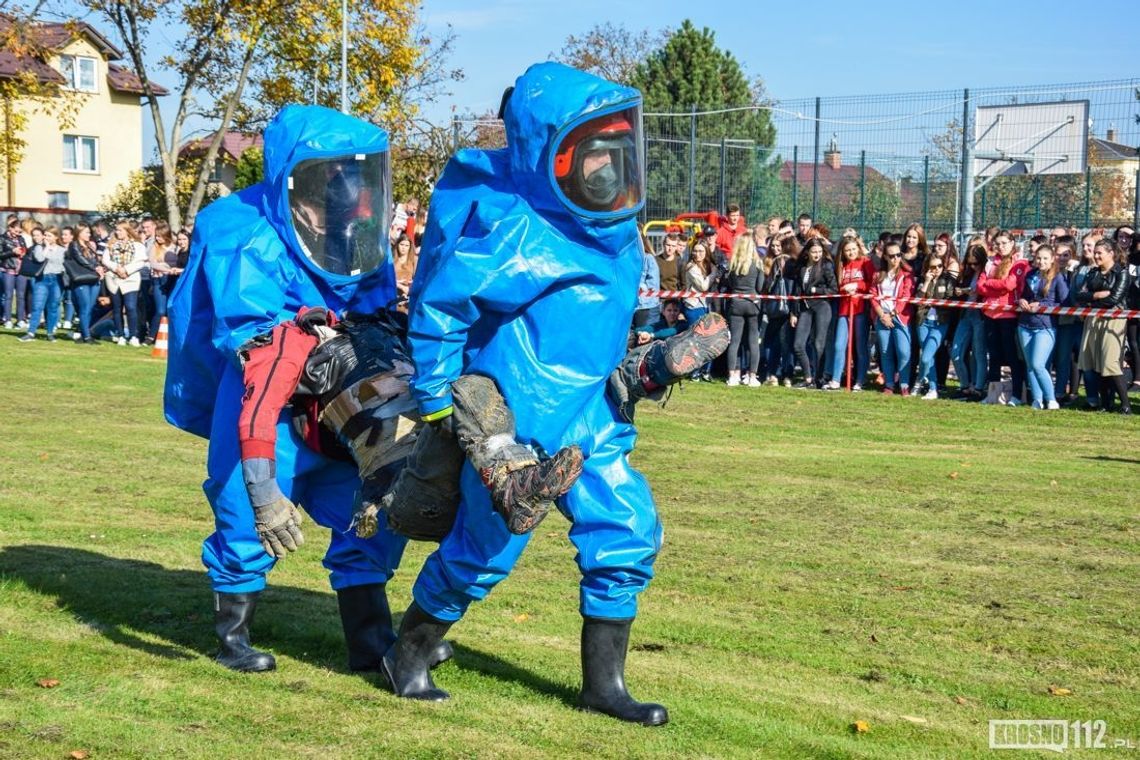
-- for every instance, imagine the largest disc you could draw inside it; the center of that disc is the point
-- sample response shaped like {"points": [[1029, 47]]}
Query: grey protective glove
{"points": [[277, 520]]}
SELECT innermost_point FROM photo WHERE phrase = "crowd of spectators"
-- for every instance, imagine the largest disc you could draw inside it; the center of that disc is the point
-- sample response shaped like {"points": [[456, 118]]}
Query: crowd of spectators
{"points": [[105, 280], [111, 280], [839, 312]]}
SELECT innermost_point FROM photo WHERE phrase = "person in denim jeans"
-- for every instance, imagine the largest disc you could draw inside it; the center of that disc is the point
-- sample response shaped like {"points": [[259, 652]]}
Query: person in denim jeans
{"points": [[933, 321], [969, 350], [82, 254], [124, 260], [1037, 333], [1069, 329], [856, 276], [892, 288], [46, 288]]}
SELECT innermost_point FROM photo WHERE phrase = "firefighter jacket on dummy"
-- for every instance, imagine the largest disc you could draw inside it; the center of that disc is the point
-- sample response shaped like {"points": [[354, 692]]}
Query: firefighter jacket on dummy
{"points": [[532, 281], [312, 234]]}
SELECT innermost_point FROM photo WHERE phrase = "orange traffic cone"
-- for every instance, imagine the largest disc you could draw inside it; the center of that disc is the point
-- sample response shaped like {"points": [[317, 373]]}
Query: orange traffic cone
{"points": [[160, 342]]}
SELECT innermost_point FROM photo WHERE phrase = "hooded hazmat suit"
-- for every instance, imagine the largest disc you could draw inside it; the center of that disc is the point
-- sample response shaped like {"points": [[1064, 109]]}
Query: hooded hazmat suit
{"points": [[518, 283], [247, 272]]}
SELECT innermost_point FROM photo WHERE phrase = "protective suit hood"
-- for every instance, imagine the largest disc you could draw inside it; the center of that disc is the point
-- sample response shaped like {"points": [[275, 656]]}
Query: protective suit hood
{"points": [[301, 133], [548, 100]]}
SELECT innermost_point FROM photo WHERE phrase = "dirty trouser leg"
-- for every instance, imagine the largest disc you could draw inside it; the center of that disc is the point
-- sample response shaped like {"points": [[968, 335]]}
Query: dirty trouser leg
{"points": [[424, 499]]}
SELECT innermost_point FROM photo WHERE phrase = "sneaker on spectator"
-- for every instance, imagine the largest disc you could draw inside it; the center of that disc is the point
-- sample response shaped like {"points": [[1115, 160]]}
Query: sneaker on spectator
{"points": [[120, 341], [22, 324], [856, 387], [76, 336], [752, 381], [733, 378], [26, 338], [831, 385], [806, 385], [1036, 405], [66, 324], [905, 392], [1014, 401], [772, 381], [1053, 405], [133, 342], [888, 391], [930, 395], [787, 382], [51, 338], [8, 324]]}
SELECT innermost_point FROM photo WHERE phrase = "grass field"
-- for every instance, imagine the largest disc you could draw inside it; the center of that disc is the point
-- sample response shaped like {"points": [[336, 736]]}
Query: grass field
{"points": [[922, 567]]}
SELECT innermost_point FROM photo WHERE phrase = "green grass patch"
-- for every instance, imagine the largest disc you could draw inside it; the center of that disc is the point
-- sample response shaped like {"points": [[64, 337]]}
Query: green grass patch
{"points": [[828, 558]]}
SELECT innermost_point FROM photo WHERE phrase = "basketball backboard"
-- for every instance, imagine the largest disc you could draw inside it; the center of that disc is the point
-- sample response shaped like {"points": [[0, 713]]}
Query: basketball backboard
{"points": [[1035, 138]]}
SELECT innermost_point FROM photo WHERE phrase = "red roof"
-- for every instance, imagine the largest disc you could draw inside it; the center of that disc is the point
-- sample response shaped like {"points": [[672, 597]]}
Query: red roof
{"points": [[845, 175], [53, 37], [233, 144]]}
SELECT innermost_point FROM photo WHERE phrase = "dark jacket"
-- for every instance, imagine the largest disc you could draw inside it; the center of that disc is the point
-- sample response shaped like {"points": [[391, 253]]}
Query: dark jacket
{"points": [[820, 281], [11, 249], [941, 287], [1115, 281], [749, 283]]}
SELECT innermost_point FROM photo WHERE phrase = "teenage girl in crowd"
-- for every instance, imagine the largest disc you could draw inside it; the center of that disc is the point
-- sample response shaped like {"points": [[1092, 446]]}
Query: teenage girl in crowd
{"points": [[1102, 344], [892, 287], [815, 276], [745, 277], [699, 275], [856, 276], [933, 322], [1037, 333], [1000, 285]]}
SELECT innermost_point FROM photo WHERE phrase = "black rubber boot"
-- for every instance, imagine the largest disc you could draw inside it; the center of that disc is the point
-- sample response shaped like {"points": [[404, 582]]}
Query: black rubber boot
{"points": [[604, 644], [368, 632], [407, 663], [233, 614]]}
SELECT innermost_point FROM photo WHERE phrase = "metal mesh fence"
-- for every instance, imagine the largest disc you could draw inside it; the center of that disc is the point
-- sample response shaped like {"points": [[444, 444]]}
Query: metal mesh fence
{"points": [[880, 162]]}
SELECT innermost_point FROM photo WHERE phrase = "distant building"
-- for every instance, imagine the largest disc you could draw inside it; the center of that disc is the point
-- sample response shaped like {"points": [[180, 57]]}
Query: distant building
{"points": [[74, 168], [222, 174], [1120, 158]]}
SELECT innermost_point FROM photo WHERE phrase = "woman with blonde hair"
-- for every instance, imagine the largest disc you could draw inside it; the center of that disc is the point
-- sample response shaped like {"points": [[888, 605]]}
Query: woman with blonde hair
{"points": [[123, 260], [745, 277]]}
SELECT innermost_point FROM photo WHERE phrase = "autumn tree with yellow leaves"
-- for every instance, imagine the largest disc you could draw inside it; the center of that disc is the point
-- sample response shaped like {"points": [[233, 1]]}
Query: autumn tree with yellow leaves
{"points": [[238, 61]]}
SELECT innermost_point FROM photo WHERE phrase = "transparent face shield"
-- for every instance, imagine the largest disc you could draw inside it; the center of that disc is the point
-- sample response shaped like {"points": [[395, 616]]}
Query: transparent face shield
{"points": [[339, 209], [598, 165]]}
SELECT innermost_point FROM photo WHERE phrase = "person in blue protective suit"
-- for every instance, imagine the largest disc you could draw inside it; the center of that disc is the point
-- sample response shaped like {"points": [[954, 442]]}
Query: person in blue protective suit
{"points": [[528, 275], [312, 234]]}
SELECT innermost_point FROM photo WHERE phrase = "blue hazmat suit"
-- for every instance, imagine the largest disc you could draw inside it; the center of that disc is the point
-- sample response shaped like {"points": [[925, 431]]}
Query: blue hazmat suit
{"points": [[515, 283], [247, 273]]}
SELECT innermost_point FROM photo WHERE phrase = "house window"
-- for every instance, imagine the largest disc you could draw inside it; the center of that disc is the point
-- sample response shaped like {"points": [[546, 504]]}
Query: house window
{"points": [[80, 154], [216, 171], [58, 199], [78, 72]]}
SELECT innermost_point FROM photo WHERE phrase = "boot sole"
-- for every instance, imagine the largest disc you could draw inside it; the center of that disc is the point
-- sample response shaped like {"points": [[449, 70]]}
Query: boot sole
{"points": [[705, 341]]}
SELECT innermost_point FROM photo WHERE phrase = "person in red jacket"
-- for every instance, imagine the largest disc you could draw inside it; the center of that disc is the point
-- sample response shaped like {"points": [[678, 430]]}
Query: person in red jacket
{"points": [[729, 228], [999, 285], [889, 294], [856, 276]]}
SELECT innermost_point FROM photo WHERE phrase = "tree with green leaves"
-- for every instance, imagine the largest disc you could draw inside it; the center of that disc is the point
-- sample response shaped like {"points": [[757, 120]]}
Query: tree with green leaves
{"points": [[690, 72], [250, 168]]}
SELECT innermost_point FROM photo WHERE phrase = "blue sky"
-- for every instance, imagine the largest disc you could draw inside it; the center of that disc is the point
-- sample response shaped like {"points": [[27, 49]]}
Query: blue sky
{"points": [[821, 48], [801, 50]]}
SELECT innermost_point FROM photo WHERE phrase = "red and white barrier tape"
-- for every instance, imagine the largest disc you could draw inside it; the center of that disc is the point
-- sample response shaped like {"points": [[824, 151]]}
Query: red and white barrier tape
{"points": [[1063, 311]]}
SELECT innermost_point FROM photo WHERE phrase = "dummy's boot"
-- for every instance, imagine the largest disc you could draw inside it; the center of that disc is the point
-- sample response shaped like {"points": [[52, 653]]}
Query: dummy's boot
{"points": [[524, 495], [407, 663], [233, 614], [646, 371], [604, 644], [367, 622]]}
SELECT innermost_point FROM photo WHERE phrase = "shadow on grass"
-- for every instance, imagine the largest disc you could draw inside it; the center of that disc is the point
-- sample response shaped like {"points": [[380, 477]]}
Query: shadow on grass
{"points": [[1103, 458], [132, 602]]}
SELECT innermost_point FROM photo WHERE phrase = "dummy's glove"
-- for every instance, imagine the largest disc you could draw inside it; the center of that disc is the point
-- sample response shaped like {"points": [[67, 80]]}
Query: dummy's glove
{"points": [[277, 521]]}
